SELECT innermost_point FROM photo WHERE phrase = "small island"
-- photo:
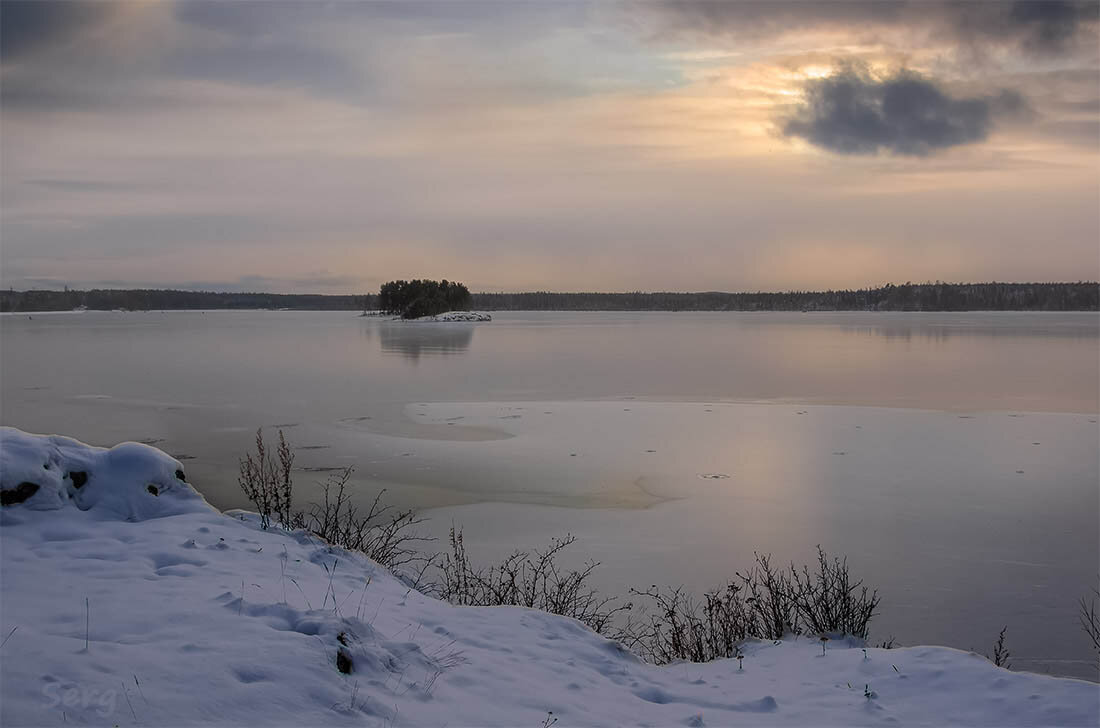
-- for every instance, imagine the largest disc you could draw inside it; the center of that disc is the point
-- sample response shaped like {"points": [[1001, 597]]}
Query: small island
{"points": [[428, 300]]}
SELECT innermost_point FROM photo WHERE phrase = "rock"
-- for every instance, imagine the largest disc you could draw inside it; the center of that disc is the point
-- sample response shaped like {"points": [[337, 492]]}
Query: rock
{"points": [[343, 661], [18, 494]]}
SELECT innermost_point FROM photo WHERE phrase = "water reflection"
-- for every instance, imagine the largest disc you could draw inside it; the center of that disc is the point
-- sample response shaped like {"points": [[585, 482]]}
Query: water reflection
{"points": [[412, 340], [940, 327], [934, 333]]}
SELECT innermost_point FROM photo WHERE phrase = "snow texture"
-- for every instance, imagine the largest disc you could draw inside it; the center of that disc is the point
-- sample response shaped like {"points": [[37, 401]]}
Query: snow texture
{"points": [[130, 481], [456, 316], [121, 606]]}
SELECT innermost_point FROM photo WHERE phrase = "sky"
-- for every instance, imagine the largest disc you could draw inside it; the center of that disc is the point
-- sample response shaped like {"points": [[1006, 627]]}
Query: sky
{"points": [[327, 147]]}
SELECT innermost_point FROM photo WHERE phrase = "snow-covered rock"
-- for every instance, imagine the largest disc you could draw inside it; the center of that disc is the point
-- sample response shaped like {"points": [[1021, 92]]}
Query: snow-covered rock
{"points": [[123, 607], [457, 316]]}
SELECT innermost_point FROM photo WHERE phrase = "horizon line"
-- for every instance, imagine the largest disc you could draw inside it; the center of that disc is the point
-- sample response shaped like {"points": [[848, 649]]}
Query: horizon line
{"points": [[66, 289]]}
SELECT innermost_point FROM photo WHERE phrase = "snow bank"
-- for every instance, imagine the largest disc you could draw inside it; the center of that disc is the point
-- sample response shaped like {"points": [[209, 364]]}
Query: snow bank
{"points": [[457, 316], [130, 481], [124, 607]]}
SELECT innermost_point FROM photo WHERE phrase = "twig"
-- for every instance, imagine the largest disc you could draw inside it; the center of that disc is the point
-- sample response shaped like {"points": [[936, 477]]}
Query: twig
{"points": [[126, 694], [8, 637], [140, 690], [331, 574], [359, 610], [282, 570], [295, 583]]}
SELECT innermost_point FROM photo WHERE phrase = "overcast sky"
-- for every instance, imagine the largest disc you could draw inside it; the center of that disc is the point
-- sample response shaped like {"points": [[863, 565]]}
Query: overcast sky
{"points": [[329, 147]]}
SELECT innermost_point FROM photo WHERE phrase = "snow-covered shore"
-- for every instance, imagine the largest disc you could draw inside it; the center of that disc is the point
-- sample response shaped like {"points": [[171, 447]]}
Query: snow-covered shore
{"points": [[456, 316], [126, 599]]}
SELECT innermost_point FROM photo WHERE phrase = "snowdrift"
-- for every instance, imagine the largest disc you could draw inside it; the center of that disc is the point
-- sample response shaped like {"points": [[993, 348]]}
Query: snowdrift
{"points": [[121, 605], [129, 481]]}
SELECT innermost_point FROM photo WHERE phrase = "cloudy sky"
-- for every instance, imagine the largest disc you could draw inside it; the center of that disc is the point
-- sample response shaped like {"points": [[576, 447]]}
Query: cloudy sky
{"points": [[520, 145]]}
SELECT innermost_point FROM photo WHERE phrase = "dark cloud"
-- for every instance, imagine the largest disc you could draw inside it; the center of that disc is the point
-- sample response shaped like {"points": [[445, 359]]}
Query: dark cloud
{"points": [[255, 19], [852, 113], [267, 63], [1049, 25], [26, 25], [1040, 26], [93, 77], [251, 19]]}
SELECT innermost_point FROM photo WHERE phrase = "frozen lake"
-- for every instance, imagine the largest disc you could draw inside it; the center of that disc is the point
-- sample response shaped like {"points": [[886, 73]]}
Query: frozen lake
{"points": [[952, 457]]}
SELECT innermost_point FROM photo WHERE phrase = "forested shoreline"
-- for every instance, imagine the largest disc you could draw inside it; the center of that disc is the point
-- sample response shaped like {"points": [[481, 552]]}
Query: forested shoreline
{"points": [[1080, 296]]}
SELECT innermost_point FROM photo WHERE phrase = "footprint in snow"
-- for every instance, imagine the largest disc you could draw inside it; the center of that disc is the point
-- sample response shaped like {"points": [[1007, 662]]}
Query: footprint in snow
{"points": [[766, 704], [164, 560]]}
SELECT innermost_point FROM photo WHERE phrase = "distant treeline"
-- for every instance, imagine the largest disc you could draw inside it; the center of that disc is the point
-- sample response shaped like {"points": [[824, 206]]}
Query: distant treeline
{"points": [[156, 299], [1082, 296]]}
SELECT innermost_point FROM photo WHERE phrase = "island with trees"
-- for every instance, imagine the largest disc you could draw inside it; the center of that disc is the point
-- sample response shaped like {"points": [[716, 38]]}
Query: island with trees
{"points": [[419, 298]]}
